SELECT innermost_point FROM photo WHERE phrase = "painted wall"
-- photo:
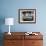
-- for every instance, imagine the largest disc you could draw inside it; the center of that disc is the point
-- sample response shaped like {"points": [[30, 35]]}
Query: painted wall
{"points": [[9, 8]]}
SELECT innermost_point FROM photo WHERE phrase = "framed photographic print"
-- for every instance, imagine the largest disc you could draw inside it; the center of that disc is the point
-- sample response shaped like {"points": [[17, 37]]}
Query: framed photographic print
{"points": [[27, 16]]}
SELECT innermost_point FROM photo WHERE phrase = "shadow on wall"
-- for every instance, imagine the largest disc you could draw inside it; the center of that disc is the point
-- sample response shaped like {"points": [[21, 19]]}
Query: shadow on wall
{"points": [[2, 21]]}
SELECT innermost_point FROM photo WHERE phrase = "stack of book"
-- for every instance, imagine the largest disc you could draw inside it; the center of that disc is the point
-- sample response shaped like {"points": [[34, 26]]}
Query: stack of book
{"points": [[30, 33]]}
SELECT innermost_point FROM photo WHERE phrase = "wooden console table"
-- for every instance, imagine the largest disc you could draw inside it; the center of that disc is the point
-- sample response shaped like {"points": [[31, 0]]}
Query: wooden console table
{"points": [[20, 39]]}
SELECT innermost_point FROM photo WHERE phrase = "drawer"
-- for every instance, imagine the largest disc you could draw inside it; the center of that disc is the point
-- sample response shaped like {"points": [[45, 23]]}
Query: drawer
{"points": [[16, 37], [34, 37], [9, 43], [19, 42], [33, 43], [37, 43], [13, 43]]}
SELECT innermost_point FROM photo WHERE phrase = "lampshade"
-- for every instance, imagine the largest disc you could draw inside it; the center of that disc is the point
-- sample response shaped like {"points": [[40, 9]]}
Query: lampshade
{"points": [[9, 21]]}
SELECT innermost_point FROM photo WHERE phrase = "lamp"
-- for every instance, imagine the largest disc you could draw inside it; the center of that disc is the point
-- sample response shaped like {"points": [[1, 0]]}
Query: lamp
{"points": [[9, 21]]}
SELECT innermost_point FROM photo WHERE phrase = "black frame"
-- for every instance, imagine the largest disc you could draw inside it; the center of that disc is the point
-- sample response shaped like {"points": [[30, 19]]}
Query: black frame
{"points": [[20, 12]]}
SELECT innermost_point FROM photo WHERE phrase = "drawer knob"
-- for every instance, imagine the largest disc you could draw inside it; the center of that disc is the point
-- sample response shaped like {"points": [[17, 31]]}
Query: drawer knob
{"points": [[33, 42]]}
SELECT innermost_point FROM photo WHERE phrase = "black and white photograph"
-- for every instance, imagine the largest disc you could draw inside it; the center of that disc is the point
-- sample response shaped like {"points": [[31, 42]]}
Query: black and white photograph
{"points": [[27, 15]]}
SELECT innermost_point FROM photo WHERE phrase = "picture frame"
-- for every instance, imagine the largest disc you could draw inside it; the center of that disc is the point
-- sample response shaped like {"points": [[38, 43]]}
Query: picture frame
{"points": [[27, 15]]}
